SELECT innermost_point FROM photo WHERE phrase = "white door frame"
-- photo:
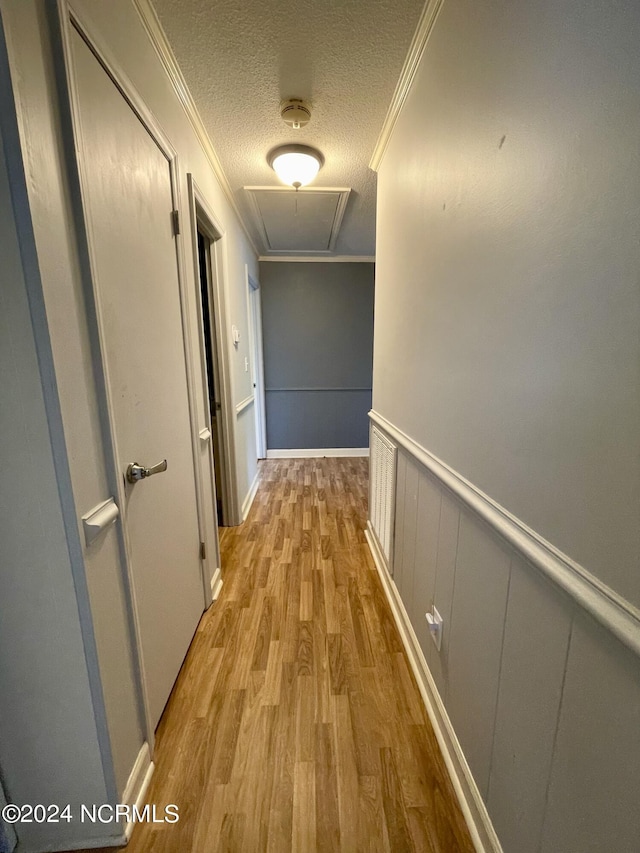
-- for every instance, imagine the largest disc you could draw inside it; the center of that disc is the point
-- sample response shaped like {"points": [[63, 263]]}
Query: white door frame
{"points": [[254, 314], [202, 217], [68, 18]]}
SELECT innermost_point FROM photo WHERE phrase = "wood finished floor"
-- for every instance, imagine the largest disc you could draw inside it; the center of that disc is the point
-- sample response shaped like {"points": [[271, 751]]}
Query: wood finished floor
{"points": [[295, 723]]}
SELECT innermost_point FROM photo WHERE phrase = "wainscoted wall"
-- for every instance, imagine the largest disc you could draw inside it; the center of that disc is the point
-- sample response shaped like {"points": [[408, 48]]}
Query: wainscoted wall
{"points": [[318, 350], [544, 700]]}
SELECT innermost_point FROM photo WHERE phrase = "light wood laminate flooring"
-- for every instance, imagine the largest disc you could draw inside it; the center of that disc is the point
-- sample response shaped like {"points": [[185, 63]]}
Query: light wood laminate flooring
{"points": [[295, 723]]}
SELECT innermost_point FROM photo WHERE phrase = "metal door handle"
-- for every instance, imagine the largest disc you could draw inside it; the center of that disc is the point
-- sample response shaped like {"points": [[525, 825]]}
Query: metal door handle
{"points": [[137, 472]]}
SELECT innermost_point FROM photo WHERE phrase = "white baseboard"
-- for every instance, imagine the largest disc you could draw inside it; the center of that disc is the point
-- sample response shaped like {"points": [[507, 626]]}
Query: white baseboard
{"points": [[473, 808], [138, 783], [246, 506], [216, 584], [374, 546], [317, 453]]}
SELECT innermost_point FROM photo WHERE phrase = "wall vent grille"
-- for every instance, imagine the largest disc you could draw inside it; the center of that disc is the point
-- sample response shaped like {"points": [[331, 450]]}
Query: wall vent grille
{"points": [[382, 487]]}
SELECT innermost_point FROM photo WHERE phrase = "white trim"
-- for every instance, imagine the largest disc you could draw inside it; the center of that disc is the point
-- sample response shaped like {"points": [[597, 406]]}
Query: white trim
{"points": [[344, 193], [317, 453], [162, 47], [610, 609], [374, 546], [409, 69], [311, 259], [248, 501], [216, 585], [204, 217], [254, 316], [473, 808], [244, 404], [138, 783]]}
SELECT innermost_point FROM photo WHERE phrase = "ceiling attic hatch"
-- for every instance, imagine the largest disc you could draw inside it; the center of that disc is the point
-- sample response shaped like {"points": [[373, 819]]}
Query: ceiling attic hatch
{"points": [[304, 221]]}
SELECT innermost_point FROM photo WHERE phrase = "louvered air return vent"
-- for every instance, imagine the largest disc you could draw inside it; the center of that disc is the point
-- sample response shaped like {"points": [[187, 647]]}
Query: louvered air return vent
{"points": [[382, 490]]}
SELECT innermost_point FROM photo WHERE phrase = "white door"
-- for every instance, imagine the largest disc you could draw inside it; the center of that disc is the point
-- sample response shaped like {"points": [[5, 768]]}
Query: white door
{"points": [[128, 200], [257, 366]]}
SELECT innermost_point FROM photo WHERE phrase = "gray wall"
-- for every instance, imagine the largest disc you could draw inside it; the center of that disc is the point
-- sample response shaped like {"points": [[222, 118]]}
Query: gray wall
{"points": [[507, 294], [52, 745], [507, 343], [318, 338]]}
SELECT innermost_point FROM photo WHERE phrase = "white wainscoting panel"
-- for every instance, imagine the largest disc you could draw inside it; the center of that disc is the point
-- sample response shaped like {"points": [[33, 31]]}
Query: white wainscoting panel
{"points": [[445, 580], [401, 481], [421, 595], [406, 526], [593, 795], [382, 492], [536, 641], [536, 688], [477, 625]]}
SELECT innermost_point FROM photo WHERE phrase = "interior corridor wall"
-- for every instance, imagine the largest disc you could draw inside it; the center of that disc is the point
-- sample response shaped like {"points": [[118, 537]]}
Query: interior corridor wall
{"points": [[507, 346], [117, 28], [507, 301], [317, 323]]}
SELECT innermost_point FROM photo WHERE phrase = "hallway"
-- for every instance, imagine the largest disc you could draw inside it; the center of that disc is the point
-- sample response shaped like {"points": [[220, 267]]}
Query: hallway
{"points": [[295, 723]]}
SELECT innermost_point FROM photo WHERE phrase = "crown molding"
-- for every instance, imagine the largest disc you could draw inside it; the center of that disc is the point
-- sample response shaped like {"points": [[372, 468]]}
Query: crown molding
{"points": [[409, 69], [158, 38], [312, 259]]}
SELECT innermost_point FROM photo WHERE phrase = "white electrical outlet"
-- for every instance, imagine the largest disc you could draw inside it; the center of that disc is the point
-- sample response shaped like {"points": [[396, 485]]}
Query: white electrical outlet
{"points": [[435, 622]]}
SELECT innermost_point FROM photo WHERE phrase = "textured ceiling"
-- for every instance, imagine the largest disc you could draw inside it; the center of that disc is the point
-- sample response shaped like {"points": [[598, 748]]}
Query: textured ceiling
{"points": [[240, 58]]}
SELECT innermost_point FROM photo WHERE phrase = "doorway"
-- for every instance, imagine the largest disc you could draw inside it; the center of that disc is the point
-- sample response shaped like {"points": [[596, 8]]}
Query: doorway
{"points": [[213, 396], [257, 364]]}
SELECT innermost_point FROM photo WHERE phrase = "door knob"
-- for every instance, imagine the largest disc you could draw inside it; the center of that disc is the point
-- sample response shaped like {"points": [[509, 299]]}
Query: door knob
{"points": [[137, 472]]}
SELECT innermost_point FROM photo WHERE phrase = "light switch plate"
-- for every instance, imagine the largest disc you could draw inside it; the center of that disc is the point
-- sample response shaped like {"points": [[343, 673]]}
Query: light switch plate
{"points": [[435, 622]]}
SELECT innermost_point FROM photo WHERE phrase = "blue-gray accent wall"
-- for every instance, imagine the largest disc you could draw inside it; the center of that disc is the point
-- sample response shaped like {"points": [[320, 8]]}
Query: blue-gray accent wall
{"points": [[318, 353]]}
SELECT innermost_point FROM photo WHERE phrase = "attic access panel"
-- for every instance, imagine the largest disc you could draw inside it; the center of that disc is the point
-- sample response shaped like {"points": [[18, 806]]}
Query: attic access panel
{"points": [[305, 221]]}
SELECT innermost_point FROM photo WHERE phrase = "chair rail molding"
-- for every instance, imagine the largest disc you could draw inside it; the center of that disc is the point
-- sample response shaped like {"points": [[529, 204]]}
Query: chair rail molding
{"points": [[611, 610], [244, 404]]}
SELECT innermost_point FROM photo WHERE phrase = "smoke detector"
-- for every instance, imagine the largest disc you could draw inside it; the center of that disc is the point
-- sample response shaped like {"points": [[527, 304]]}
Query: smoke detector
{"points": [[295, 112]]}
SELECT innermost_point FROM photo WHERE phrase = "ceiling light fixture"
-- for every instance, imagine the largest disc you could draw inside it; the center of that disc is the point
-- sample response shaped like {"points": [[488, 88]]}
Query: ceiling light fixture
{"points": [[296, 165]]}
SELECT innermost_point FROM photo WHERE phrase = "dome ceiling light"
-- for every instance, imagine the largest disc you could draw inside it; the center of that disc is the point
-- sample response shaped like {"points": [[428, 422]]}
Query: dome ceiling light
{"points": [[296, 165]]}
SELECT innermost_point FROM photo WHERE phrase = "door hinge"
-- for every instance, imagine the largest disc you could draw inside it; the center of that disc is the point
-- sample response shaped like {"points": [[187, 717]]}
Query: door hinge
{"points": [[203, 551], [175, 219]]}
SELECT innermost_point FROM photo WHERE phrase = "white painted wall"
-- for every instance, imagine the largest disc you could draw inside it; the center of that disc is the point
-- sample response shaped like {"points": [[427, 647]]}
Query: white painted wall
{"points": [[508, 308], [117, 26]]}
